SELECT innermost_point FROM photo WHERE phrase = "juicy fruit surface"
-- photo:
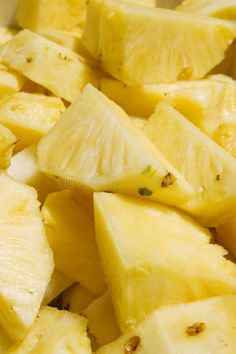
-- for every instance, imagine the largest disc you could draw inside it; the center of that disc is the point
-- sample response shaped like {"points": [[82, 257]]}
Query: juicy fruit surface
{"points": [[140, 255], [206, 326], [103, 150], [7, 143], [141, 52], [207, 167], [24, 251]]}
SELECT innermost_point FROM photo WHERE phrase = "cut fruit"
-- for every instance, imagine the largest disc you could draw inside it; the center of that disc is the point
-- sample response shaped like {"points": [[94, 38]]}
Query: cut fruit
{"points": [[30, 53], [7, 144], [55, 332], [144, 52], [6, 34], [226, 235], [24, 168], [95, 146], [26, 257], [30, 116], [206, 326], [10, 81], [140, 122], [218, 8], [70, 232], [5, 342], [58, 283], [206, 166], [153, 255]]}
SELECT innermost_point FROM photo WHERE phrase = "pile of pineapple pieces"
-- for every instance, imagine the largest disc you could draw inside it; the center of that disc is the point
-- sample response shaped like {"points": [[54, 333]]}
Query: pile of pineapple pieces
{"points": [[118, 177]]}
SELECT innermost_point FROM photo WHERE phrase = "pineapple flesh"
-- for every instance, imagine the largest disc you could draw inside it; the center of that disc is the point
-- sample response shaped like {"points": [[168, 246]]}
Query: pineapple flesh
{"points": [[58, 283], [155, 45], [70, 233], [25, 255], [226, 235], [6, 34], [206, 326], [7, 144], [29, 54], [55, 332], [95, 146], [76, 298], [153, 256], [10, 81], [205, 165]]}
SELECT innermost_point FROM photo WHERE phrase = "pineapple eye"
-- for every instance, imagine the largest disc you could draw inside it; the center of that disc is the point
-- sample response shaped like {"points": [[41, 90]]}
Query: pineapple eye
{"points": [[145, 192], [168, 180], [196, 328], [131, 345]]}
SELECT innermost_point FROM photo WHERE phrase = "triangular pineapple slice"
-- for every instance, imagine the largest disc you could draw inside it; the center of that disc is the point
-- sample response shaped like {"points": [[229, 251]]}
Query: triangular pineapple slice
{"points": [[55, 332], [205, 165], [26, 259], [154, 45], [58, 283], [96, 146], [217, 8], [205, 327], [7, 143], [153, 255]]}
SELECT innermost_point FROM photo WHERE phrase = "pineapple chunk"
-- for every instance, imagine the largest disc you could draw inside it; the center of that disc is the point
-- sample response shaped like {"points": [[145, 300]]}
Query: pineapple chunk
{"points": [[5, 342], [6, 34], [24, 168], [102, 324], [226, 235], [70, 232], [139, 121], [155, 45], [26, 258], [30, 53], [10, 81], [153, 255], [218, 8], [76, 298], [30, 116], [206, 166], [55, 332], [53, 14], [58, 283], [206, 326], [7, 143], [103, 150]]}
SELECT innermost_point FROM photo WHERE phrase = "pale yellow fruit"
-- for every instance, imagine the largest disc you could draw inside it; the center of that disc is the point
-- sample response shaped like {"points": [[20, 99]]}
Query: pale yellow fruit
{"points": [[30, 116], [7, 143], [55, 332], [70, 233], [25, 256], [30, 53], [58, 283], [154, 45], [10, 81], [6, 34], [139, 121], [205, 165], [76, 298], [153, 255], [103, 150], [205, 327]]}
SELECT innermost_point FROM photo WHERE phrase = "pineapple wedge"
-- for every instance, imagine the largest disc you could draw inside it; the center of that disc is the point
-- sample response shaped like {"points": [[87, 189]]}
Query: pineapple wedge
{"points": [[205, 165], [96, 146], [139, 121], [225, 9], [30, 116], [76, 298], [25, 256], [206, 326], [58, 283], [144, 52], [7, 143], [153, 255], [24, 168], [55, 332], [30, 53], [102, 324], [10, 81], [70, 232]]}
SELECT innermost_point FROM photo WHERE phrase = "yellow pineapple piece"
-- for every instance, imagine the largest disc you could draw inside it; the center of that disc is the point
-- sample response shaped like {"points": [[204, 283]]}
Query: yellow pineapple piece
{"points": [[24, 168], [55, 332], [30, 53], [206, 326], [10, 81], [6, 34], [58, 283], [5, 342], [30, 116], [226, 235], [205, 165], [103, 150], [70, 233], [153, 256], [76, 298], [25, 256], [53, 14], [142, 53], [102, 324], [225, 9], [7, 143], [139, 121]]}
